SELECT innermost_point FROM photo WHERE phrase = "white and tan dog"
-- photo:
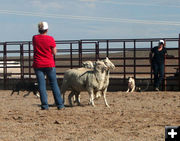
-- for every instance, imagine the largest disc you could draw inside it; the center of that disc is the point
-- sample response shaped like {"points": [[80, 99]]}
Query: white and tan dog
{"points": [[131, 84]]}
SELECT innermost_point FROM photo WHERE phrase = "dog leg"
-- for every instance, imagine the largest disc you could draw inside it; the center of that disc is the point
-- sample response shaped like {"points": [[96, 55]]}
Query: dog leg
{"points": [[27, 94], [133, 89], [37, 94], [12, 92], [127, 90]]}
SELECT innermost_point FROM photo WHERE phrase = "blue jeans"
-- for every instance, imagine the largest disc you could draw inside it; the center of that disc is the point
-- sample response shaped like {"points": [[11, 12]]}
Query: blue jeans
{"points": [[158, 69], [51, 74]]}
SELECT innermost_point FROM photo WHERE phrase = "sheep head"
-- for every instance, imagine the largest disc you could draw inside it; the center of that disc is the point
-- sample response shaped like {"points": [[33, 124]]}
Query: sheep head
{"points": [[108, 63], [100, 66], [88, 64]]}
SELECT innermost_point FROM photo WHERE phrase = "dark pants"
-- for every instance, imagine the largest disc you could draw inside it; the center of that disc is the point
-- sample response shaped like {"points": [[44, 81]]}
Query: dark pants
{"points": [[158, 69]]}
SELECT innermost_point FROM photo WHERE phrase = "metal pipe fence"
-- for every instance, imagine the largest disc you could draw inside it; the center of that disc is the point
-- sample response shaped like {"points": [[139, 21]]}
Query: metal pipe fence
{"points": [[130, 56]]}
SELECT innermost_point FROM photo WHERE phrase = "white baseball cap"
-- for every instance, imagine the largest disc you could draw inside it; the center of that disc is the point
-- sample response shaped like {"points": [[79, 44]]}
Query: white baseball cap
{"points": [[161, 41], [43, 26]]}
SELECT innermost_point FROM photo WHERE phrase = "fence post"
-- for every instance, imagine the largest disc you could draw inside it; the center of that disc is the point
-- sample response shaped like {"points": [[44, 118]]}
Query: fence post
{"points": [[151, 63], [71, 55], [179, 60], [164, 82], [80, 53], [29, 45], [5, 64], [22, 61], [135, 59], [124, 58], [107, 49], [97, 50]]}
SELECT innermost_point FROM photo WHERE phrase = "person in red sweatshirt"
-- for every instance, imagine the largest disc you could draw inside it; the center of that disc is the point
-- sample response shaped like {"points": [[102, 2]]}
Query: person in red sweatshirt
{"points": [[43, 63]]}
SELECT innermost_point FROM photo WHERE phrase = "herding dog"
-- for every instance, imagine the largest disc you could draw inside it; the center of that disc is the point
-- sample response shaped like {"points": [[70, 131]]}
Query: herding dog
{"points": [[131, 84], [26, 86]]}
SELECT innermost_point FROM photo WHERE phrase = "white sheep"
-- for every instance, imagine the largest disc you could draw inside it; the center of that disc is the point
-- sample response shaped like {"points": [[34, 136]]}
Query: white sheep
{"points": [[110, 66], [88, 64], [85, 64], [83, 79]]}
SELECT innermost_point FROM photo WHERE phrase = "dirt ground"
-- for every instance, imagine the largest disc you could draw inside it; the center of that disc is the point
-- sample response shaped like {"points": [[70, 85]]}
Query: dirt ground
{"points": [[132, 117]]}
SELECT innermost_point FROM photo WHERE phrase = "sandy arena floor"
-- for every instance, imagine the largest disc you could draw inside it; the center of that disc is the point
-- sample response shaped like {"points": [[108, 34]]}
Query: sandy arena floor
{"points": [[132, 117]]}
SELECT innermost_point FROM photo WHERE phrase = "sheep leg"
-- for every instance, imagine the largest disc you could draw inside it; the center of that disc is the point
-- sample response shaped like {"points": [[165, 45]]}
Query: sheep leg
{"points": [[63, 97], [63, 94], [77, 98], [77, 95], [105, 100], [97, 95], [69, 98], [63, 90], [91, 94], [74, 99]]}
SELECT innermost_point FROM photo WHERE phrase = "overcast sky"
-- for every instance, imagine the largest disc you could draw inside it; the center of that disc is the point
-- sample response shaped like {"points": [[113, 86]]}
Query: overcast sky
{"points": [[89, 19]]}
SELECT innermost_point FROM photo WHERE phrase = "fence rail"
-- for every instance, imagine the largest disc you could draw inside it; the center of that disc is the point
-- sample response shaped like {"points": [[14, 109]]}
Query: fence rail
{"points": [[130, 56]]}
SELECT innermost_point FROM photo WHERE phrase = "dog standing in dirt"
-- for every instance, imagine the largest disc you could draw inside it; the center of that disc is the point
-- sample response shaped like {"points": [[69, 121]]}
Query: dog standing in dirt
{"points": [[131, 84], [26, 86]]}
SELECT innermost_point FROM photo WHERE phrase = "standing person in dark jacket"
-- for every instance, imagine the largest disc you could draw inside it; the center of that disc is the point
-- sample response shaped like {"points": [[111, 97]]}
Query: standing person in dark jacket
{"points": [[44, 64], [157, 58]]}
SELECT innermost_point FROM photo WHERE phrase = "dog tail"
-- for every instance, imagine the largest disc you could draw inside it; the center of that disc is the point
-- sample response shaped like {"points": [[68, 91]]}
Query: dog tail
{"points": [[146, 88]]}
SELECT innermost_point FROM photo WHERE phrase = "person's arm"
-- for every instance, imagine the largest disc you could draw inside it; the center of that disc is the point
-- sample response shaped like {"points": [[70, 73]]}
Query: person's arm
{"points": [[53, 46], [54, 51], [150, 56], [33, 41], [168, 56]]}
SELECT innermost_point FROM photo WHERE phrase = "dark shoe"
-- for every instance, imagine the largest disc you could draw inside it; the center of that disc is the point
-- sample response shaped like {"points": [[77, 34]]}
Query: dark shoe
{"points": [[63, 108], [44, 108]]}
